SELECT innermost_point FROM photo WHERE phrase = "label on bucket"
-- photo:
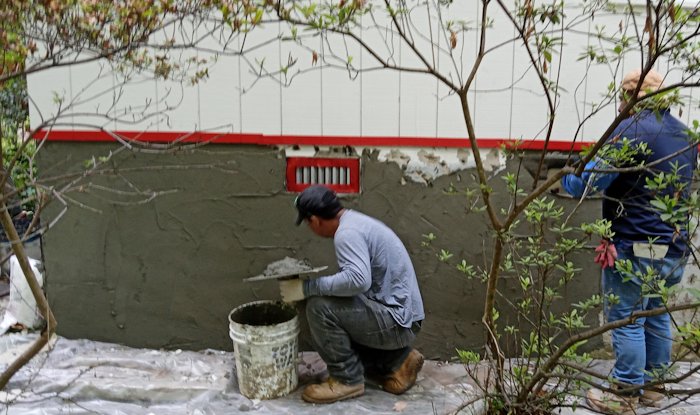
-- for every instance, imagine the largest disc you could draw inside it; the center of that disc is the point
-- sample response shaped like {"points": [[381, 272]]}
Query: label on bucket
{"points": [[283, 356]]}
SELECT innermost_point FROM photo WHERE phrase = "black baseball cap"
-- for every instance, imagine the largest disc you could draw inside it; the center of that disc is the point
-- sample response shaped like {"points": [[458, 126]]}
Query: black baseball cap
{"points": [[319, 201]]}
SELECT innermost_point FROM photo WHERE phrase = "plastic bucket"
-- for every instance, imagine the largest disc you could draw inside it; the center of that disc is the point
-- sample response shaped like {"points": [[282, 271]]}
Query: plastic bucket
{"points": [[264, 335]]}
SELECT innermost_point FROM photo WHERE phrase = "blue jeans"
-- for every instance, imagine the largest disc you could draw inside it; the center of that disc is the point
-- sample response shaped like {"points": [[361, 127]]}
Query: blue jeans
{"points": [[644, 346], [352, 334]]}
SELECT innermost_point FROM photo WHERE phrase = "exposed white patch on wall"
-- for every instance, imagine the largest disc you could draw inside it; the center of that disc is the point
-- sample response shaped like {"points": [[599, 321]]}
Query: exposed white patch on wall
{"points": [[304, 151], [420, 165]]}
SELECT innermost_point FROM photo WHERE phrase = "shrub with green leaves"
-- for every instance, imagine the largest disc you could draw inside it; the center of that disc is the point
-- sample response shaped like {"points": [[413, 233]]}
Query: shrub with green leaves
{"points": [[14, 120]]}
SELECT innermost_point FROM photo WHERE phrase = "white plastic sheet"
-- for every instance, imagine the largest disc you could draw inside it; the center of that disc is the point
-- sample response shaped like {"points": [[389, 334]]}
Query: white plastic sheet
{"points": [[88, 377], [22, 307]]}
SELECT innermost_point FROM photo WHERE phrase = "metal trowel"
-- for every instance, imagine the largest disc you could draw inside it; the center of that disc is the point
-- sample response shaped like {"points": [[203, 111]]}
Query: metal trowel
{"points": [[286, 275]]}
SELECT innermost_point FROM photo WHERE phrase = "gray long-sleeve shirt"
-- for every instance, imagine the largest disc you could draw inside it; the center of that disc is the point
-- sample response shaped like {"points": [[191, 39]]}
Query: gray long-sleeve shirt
{"points": [[373, 262]]}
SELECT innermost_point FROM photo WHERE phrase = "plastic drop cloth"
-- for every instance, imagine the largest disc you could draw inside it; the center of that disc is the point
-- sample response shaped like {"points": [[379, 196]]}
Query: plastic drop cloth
{"points": [[88, 377], [22, 306]]}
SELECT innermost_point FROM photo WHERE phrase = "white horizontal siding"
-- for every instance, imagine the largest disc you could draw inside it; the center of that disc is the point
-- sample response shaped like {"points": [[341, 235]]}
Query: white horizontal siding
{"points": [[505, 98]]}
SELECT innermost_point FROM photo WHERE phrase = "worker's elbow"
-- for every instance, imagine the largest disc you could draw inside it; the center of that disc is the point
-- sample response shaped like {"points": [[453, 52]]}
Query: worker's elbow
{"points": [[362, 282]]}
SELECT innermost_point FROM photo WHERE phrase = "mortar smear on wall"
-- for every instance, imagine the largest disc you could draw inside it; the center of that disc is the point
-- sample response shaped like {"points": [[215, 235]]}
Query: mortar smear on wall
{"points": [[420, 165]]}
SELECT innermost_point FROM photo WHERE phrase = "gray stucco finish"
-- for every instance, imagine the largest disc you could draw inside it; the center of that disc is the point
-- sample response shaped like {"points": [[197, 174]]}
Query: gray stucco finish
{"points": [[166, 273]]}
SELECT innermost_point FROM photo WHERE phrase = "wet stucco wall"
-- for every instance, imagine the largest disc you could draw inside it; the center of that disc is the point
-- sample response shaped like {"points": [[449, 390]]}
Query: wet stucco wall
{"points": [[163, 271]]}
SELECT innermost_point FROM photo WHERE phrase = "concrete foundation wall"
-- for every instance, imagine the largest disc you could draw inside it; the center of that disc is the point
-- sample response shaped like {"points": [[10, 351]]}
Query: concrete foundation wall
{"points": [[164, 273]]}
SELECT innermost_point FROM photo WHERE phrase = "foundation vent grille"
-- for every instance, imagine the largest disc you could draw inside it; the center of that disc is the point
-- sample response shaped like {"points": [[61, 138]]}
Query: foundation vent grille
{"points": [[339, 174]]}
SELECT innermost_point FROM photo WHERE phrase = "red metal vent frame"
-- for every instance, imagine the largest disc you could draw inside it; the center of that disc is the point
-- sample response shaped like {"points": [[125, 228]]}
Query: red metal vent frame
{"points": [[352, 165]]}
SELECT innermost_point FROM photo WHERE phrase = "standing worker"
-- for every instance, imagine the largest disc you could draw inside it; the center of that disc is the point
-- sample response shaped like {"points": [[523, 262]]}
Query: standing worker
{"points": [[365, 318], [643, 348]]}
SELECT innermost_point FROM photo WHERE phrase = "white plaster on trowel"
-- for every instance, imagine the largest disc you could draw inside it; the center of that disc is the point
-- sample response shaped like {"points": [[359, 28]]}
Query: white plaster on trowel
{"points": [[419, 164]]}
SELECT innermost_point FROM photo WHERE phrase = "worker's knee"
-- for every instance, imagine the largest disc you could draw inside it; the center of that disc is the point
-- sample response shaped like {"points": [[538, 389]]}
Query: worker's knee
{"points": [[318, 306]]}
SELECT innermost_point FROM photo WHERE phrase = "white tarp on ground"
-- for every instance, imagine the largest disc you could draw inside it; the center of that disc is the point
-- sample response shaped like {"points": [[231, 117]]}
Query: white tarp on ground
{"points": [[87, 377]]}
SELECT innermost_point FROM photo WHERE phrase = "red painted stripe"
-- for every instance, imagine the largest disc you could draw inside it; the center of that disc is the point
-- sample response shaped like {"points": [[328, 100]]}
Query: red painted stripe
{"points": [[301, 140]]}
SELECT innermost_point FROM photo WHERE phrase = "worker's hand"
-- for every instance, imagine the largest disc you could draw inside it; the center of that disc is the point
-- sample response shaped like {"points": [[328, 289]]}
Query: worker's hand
{"points": [[292, 290], [606, 254]]}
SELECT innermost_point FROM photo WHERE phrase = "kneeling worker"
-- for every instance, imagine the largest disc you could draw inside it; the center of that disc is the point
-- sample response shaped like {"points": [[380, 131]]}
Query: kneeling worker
{"points": [[363, 319]]}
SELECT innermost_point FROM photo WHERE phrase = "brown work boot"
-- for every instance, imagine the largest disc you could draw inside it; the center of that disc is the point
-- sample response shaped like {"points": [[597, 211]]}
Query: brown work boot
{"points": [[404, 377], [611, 403], [331, 391]]}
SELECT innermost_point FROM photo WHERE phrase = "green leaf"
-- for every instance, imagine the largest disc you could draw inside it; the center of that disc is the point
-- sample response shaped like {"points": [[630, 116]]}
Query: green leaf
{"points": [[547, 55], [258, 16]]}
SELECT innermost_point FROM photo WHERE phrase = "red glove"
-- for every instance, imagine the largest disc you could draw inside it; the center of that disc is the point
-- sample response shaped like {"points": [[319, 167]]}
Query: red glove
{"points": [[606, 254]]}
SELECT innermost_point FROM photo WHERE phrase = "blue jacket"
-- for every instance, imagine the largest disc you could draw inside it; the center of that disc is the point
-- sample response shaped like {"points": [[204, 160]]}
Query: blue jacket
{"points": [[627, 200]]}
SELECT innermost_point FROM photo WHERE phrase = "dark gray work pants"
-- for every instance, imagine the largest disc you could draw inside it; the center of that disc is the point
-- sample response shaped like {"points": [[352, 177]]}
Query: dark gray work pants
{"points": [[354, 335]]}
